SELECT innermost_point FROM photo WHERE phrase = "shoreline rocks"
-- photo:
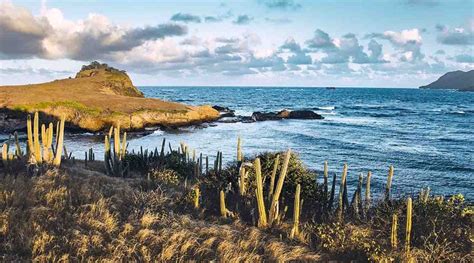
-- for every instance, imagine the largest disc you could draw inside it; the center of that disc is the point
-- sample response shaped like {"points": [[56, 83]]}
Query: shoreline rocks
{"points": [[227, 115]]}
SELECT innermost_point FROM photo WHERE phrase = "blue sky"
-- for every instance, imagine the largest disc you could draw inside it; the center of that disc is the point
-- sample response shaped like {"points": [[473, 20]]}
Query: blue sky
{"points": [[399, 43]]}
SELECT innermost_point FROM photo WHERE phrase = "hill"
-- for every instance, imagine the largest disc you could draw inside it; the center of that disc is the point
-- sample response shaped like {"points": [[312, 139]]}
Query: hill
{"points": [[459, 80], [98, 97]]}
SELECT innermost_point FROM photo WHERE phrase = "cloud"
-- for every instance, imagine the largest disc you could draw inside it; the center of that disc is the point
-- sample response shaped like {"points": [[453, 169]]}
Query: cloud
{"points": [[456, 36], [300, 59], [212, 19], [321, 40], [36, 71], [186, 18], [345, 49], [243, 20], [21, 33], [277, 20], [281, 4], [51, 36], [408, 42], [463, 58], [291, 45]]}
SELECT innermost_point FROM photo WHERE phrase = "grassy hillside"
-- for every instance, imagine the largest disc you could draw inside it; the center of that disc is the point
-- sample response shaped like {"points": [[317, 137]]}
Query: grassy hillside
{"points": [[98, 98], [173, 204]]}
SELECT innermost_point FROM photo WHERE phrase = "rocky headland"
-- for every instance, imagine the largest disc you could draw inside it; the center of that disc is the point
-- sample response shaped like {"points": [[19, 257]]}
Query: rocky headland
{"points": [[96, 98]]}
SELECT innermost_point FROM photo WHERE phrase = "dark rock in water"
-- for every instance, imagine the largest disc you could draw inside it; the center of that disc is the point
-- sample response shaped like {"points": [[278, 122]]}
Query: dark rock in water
{"points": [[286, 114], [265, 116], [225, 112], [305, 115]]}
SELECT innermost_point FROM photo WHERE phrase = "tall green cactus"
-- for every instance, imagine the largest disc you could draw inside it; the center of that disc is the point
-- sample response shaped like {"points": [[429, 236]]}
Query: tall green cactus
{"points": [[273, 175], [262, 222], [276, 195], [340, 209], [367, 192], [239, 150], [59, 149], [223, 208], [295, 231], [408, 225], [325, 186], [114, 160], [242, 180], [389, 183], [333, 193], [393, 236]]}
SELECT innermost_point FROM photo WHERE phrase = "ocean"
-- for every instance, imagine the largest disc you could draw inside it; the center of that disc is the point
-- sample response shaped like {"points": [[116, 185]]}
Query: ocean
{"points": [[427, 135]]}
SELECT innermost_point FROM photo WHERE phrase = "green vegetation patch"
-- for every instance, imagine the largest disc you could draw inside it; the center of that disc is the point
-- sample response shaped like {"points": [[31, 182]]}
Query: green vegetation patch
{"points": [[67, 104]]}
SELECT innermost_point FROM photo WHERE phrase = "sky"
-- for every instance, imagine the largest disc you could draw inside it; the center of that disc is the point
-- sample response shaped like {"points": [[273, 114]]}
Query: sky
{"points": [[351, 43]]}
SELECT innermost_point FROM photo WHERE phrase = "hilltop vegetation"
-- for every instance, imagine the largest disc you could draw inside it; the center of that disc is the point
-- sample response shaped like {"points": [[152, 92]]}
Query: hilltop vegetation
{"points": [[98, 97]]}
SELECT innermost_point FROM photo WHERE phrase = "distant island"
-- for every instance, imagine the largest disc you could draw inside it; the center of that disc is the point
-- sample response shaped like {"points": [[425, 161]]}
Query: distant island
{"points": [[96, 98], [459, 80]]}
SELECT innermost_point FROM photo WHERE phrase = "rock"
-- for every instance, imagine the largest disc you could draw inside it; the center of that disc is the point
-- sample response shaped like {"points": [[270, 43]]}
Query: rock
{"points": [[304, 115], [224, 112], [286, 114], [265, 116]]}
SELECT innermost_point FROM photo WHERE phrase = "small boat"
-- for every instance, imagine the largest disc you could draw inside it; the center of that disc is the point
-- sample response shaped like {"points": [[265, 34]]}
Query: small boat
{"points": [[330, 87]]}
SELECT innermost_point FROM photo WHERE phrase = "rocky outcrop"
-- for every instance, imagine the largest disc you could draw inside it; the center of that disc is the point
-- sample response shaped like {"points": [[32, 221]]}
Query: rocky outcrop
{"points": [[286, 114], [460, 80], [227, 115], [98, 97]]}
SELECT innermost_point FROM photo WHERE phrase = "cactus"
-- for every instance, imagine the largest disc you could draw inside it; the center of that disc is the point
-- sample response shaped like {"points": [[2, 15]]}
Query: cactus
{"points": [[40, 152], [340, 209], [222, 204], [18, 151], [239, 150], [273, 175], [333, 193], [5, 155], [276, 195], [393, 236], [356, 199], [325, 187], [389, 183], [114, 163], [262, 222], [242, 180], [59, 143], [197, 195], [408, 225], [296, 213], [367, 192]]}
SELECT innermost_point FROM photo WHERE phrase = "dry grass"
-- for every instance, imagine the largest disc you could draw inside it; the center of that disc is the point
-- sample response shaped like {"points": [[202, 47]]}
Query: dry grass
{"points": [[79, 215]]}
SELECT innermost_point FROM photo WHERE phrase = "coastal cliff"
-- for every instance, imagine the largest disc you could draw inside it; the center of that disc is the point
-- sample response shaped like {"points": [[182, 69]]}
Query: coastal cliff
{"points": [[460, 80], [99, 96]]}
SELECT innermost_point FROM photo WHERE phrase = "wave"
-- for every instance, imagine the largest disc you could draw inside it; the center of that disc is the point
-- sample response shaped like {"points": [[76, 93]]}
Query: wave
{"points": [[326, 108]]}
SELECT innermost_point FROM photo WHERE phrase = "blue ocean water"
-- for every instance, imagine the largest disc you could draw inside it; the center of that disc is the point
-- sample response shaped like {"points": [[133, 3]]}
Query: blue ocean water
{"points": [[427, 135]]}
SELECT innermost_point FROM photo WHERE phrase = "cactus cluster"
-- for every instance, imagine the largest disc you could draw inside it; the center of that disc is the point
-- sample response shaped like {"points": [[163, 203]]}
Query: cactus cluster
{"points": [[115, 164], [44, 151]]}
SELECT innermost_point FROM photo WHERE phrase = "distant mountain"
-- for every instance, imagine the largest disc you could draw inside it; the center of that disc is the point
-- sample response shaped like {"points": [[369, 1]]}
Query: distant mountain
{"points": [[459, 80]]}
